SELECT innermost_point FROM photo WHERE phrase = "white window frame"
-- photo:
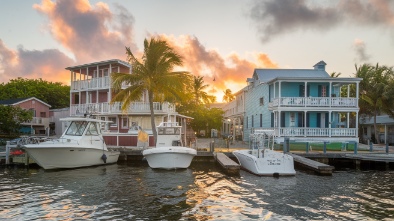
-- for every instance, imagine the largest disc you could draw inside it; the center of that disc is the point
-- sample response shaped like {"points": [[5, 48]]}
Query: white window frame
{"points": [[127, 122]]}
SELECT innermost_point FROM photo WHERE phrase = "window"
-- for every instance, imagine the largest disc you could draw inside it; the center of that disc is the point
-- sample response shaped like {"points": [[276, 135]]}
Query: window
{"points": [[261, 101], [92, 129], [114, 121], [125, 122], [261, 120], [77, 128], [43, 114]]}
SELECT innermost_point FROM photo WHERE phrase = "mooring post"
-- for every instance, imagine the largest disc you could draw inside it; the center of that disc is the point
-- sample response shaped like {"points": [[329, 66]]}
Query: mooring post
{"points": [[286, 145], [7, 153], [355, 147], [307, 147], [325, 147], [387, 147], [370, 147]]}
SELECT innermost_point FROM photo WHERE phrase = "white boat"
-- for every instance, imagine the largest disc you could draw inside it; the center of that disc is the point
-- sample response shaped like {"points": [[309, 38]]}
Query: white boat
{"points": [[81, 145], [261, 159], [169, 152]]}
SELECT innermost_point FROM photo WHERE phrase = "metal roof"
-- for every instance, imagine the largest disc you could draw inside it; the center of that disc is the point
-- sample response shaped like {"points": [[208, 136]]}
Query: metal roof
{"points": [[265, 75], [16, 101], [112, 61], [384, 119]]}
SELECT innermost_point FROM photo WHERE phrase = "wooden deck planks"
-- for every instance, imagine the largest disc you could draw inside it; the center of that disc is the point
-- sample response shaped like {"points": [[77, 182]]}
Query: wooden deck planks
{"points": [[229, 166], [318, 167]]}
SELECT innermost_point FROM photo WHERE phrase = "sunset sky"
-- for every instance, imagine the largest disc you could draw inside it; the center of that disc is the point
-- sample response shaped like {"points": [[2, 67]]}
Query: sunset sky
{"points": [[221, 39]]}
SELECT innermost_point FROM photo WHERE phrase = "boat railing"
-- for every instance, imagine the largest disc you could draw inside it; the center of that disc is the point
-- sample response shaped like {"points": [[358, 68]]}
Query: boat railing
{"points": [[168, 124]]}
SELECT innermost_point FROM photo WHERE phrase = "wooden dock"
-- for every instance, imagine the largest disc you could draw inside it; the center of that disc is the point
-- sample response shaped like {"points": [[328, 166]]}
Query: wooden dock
{"points": [[229, 166], [320, 168]]}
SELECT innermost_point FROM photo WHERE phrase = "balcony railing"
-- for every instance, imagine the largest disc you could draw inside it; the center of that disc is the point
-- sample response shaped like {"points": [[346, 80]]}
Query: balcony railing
{"points": [[107, 108], [316, 132], [313, 102], [38, 121], [94, 83]]}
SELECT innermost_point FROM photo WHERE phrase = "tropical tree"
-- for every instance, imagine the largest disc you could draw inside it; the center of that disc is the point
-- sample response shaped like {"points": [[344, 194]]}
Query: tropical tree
{"points": [[53, 93], [228, 96], [11, 118], [199, 95], [153, 74], [374, 90], [335, 74]]}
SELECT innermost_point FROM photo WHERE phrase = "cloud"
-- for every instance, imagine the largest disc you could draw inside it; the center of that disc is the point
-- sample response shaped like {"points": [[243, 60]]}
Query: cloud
{"points": [[359, 48], [46, 64], [91, 33], [229, 72], [276, 17]]}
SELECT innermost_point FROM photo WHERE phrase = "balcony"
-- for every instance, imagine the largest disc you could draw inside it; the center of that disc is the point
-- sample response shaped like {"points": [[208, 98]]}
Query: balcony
{"points": [[38, 121], [116, 108], [94, 83], [316, 132], [313, 102]]}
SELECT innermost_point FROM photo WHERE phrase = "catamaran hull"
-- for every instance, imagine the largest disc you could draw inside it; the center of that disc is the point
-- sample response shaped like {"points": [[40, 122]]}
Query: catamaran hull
{"points": [[268, 163], [70, 157], [169, 157]]}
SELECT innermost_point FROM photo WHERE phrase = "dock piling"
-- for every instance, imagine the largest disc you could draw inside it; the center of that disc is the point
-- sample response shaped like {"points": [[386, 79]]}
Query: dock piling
{"points": [[7, 153]]}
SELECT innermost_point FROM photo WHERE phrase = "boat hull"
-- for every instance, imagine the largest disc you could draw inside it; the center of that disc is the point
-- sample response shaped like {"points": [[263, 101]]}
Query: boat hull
{"points": [[70, 157], [173, 157], [266, 163]]}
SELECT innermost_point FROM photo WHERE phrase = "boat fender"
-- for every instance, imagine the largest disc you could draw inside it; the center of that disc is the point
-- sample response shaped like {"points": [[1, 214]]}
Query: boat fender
{"points": [[104, 158]]}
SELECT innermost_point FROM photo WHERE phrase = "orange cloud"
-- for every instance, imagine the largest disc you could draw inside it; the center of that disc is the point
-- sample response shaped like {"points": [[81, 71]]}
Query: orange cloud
{"points": [[47, 64], [229, 72], [91, 33]]}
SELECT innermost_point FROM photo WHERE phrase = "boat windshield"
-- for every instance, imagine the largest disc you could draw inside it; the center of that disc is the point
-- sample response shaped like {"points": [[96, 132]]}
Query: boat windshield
{"points": [[76, 128], [169, 131], [92, 129]]}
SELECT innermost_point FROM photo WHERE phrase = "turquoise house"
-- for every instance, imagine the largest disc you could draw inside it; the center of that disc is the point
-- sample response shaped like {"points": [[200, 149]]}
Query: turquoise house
{"points": [[302, 104]]}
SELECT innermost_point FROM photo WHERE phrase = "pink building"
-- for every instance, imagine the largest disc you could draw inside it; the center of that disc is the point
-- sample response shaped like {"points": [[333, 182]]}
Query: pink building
{"points": [[91, 93], [40, 122]]}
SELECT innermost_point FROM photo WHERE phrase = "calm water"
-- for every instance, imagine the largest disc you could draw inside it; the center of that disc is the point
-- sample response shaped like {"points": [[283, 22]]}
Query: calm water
{"points": [[202, 192]]}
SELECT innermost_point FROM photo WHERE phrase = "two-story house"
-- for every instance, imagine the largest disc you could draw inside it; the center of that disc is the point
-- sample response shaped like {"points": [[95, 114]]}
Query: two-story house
{"points": [[91, 93], [40, 110], [303, 104], [234, 112]]}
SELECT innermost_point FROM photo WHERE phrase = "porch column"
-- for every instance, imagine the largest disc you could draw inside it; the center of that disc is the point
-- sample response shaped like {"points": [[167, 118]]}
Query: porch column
{"points": [[279, 97], [348, 90], [305, 128], [347, 120], [305, 93], [357, 89], [274, 90], [330, 93], [279, 123], [329, 123], [357, 123]]}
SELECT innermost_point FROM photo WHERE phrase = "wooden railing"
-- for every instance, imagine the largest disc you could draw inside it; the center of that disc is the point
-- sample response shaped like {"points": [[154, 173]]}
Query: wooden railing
{"points": [[313, 102], [317, 132], [106, 108], [94, 83]]}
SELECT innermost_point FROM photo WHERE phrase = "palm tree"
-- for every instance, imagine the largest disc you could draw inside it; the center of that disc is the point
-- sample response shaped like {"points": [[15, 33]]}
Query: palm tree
{"points": [[374, 89], [199, 94], [335, 74], [153, 74], [228, 96]]}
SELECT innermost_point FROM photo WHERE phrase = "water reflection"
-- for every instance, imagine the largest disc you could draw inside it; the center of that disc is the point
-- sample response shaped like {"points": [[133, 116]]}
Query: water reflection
{"points": [[202, 192]]}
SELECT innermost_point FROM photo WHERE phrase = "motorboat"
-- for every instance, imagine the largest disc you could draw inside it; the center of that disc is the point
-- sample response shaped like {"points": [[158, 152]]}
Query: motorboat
{"points": [[261, 158], [169, 153], [81, 145]]}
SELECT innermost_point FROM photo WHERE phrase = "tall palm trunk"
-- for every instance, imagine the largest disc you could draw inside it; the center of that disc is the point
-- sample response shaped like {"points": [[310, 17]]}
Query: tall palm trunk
{"points": [[152, 115]]}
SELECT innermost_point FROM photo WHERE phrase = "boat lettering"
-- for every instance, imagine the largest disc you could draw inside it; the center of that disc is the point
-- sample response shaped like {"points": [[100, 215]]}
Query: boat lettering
{"points": [[274, 162]]}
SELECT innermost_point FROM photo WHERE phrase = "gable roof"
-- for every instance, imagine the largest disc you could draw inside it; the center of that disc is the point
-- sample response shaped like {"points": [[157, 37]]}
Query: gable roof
{"points": [[16, 101], [265, 75]]}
